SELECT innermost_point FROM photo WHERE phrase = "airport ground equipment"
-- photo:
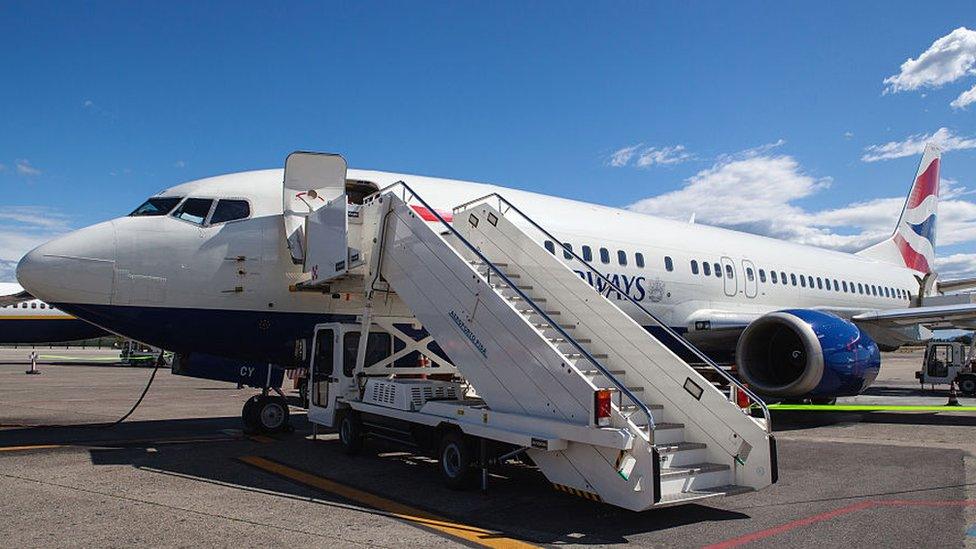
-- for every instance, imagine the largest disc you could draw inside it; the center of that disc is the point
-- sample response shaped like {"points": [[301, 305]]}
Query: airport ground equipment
{"points": [[948, 363], [540, 362]]}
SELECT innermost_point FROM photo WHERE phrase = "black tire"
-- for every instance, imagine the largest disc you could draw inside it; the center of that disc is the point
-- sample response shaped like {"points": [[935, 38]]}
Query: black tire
{"points": [[270, 414], [351, 434], [456, 460], [248, 416], [967, 384]]}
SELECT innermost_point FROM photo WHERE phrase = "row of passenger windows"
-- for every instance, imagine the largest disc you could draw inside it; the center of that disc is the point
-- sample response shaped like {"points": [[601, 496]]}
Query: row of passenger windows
{"points": [[195, 210], [708, 268], [31, 305], [605, 255], [804, 281]]}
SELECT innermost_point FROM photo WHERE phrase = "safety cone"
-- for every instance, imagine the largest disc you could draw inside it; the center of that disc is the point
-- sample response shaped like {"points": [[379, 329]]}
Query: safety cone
{"points": [[953, 401]]}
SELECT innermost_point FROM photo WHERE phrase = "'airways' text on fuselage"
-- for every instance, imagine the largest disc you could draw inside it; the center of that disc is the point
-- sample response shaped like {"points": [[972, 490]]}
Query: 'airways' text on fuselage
{"points": [[634, 286]]}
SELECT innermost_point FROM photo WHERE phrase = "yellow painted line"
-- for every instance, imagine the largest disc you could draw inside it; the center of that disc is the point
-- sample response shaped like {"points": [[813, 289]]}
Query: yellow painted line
{"points": [[37, 317], [479, 536], [260, 438], [31, 447], [868, 408]]}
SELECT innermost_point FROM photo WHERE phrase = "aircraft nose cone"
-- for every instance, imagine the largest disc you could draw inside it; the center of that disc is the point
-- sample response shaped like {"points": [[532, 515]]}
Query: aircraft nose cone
{"points": [[75, 268]]}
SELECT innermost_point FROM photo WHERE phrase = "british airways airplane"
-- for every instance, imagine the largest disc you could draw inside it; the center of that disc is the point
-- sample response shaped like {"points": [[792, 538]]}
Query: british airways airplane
{"points": [[206, 267]]}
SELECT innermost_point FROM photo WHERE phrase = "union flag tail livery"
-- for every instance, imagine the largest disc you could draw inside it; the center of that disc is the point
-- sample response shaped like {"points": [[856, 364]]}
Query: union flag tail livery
{"points": [[913, 242]]}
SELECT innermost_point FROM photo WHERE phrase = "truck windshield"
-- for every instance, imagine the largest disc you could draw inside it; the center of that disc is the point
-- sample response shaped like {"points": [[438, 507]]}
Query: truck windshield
{"points": [[159, 205]]}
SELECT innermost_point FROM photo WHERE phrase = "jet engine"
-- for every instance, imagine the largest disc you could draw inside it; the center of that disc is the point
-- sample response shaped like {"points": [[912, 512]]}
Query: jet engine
{"points": [[805, 353]]}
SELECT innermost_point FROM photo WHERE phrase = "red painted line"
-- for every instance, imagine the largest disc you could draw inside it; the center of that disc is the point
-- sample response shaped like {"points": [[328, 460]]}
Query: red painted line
{"points": [[830, 515]]}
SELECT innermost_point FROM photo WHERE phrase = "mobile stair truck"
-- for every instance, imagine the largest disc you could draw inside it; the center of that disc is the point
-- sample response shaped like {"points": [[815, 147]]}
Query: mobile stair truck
{"points": [[540, 363]]}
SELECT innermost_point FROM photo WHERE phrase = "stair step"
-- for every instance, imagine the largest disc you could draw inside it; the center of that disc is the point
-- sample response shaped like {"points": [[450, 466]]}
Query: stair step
{"points": [[631, 408], [503, 286], [703, 493], [527, 312], [564, 340], [673, 447], [664, 426], [520, 298], [594, 372], [693, 469], [547, 326], [598, 356], [482, 263]]}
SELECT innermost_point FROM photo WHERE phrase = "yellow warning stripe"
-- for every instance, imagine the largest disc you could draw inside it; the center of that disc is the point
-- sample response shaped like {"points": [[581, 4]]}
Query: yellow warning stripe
{"points": [[31, 447], [479, 536], [577, 492]]}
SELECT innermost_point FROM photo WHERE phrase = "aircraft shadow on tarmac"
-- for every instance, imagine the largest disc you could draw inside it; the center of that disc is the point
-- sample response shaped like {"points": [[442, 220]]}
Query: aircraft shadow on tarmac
{"points": [[520, 502], [800, 420]]}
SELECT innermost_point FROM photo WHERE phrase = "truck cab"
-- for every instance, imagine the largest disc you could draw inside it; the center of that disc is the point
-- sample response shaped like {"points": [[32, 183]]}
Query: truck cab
{"points": [[948, 362]]}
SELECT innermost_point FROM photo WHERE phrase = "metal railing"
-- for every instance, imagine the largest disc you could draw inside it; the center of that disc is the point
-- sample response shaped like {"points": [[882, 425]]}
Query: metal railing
{"points": [[624, 391], [505, 206]]}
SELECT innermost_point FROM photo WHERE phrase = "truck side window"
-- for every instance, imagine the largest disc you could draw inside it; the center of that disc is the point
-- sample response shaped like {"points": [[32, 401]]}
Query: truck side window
{"points": [[378, 347]]}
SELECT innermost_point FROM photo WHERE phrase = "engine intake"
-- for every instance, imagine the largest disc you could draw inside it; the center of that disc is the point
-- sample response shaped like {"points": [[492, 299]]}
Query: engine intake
{"points": [[801, 352]]}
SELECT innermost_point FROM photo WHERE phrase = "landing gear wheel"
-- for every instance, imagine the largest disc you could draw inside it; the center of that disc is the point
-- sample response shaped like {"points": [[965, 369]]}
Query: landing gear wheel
{"points": [[351, 433], [967, 384], [456, 460], [265, 414], [823, 401]]}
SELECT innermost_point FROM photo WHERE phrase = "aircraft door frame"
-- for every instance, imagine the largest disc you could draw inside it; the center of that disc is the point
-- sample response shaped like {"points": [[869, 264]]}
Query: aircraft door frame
{"points": [[751, 285], [731, 284], [322, 378]]}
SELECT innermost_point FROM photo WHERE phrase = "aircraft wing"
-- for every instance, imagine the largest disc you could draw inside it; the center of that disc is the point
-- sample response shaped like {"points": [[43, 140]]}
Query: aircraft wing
{"points": [[955, 285], [13, 299], [936, 317]]}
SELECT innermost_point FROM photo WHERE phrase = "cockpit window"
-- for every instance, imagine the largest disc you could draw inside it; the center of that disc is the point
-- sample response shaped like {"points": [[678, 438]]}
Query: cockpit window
{"points": [[158, 205], [229, 210], [194, 210]]}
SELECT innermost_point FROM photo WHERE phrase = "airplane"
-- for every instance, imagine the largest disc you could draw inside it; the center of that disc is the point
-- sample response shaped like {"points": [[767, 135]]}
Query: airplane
{"points": [[24, 319], [210, 266]]}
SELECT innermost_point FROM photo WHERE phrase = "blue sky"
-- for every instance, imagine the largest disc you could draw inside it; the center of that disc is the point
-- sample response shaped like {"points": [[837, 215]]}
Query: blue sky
{"points": [[798, 121]]}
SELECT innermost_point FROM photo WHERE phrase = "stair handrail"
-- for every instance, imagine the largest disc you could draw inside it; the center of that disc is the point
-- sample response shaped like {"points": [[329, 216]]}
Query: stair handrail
{"points": [[753, 397], [624, 391]]}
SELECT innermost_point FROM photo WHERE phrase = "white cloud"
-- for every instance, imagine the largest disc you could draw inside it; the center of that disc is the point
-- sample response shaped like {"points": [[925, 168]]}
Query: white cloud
{"points": [[965, 99], [848, 134], [758, 193], [914, 144], [21, 229], [649, 156], [948, 59], [180, 164], [88, 103], [25, 168]]}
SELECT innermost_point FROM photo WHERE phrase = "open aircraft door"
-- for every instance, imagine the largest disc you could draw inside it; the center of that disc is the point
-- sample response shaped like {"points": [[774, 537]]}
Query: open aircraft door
{"points": [[315, 214]]}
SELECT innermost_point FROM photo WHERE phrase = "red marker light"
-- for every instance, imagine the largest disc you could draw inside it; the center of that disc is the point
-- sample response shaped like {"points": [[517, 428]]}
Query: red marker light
{"points": [[601, 407]]}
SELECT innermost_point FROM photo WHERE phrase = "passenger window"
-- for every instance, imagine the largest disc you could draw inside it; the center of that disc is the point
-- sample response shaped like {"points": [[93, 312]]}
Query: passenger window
{"points": [[887, 293], [844, 283], [772, 277], [728, 271], [749, 274], [718, 270], [639, 259], [810, 281], [706, 268], [621, 257], [587, 253], [668, 264], [860, 288], [782, 278], [550, 246], [836, 286], [694, 267], [803, 281], [604, 256], [793, 278], [762, 275], [567, 250], [230, 210], [820, 284], [194, 210]]}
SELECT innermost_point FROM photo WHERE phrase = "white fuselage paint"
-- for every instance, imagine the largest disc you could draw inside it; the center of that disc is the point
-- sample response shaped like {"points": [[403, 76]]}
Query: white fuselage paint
{"points": [[167, 262]]}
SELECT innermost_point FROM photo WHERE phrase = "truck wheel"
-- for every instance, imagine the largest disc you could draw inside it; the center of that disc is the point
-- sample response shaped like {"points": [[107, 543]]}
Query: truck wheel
{"points": [[351, 433], [456, 460], [271, 414], [967, 384]]}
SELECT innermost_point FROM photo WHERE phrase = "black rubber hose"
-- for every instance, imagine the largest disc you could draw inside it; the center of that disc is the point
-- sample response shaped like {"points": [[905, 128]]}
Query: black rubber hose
{"points": [[138, 402]]}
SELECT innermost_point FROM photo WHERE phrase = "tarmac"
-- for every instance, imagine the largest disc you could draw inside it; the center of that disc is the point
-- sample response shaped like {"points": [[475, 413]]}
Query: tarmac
{"points": [[180, 472]]}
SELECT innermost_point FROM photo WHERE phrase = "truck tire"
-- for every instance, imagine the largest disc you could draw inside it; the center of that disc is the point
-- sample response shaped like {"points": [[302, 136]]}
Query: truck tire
{"points": [[967, 384], [270, 414], [456, 460], [351, 434], [248, 416]]}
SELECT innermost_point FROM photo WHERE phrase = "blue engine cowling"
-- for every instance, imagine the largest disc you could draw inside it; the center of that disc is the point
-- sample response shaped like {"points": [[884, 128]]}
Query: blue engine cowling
{"points": [[804, 353]]}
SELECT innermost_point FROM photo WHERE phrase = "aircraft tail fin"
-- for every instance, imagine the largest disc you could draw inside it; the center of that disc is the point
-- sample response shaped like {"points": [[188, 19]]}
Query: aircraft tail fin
{"points": [[912, 244]]}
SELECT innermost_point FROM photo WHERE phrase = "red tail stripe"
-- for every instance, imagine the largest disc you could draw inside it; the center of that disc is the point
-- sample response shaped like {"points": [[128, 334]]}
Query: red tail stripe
{"points": [[913, 259], [926, 184]]}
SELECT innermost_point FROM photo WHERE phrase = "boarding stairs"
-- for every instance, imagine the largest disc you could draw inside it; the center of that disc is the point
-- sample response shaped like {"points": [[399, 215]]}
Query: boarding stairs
{"points": [[536, 342]]}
